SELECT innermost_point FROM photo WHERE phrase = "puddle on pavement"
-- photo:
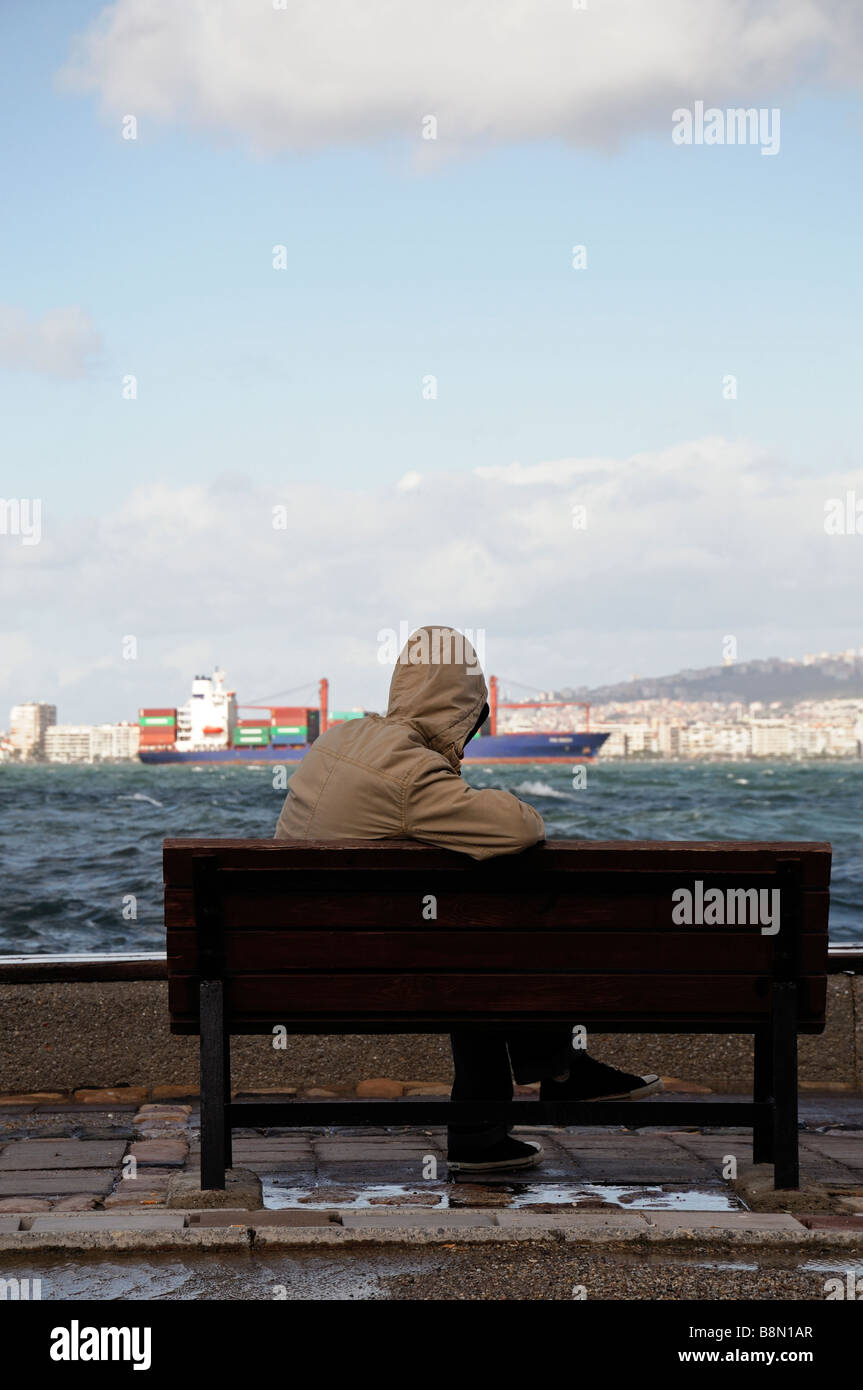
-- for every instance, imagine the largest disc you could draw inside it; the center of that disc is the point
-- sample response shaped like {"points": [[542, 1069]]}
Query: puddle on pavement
{"points": [[580, 1196]]}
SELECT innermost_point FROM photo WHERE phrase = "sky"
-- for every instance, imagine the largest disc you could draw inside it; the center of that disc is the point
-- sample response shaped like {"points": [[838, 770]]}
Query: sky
{"points": [[269, 458]]}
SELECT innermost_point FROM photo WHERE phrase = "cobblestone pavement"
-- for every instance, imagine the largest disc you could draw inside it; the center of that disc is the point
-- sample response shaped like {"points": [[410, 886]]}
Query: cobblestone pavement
{"points": [[82, 1168]]}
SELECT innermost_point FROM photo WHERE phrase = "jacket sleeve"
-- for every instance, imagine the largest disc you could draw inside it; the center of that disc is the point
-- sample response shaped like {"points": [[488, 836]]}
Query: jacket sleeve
{"points": [[441, 809]]}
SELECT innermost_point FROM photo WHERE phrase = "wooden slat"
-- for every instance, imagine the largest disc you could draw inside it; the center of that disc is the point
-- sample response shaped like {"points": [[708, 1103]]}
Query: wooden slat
{"points": [[569, 856], [579, 997], [340, 1025], [331, 937], [401, 908], [717, 951]]}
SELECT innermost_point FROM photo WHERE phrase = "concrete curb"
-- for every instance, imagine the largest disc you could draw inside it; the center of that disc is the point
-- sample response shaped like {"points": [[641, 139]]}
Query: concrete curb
{"points": [[691, 1231]]}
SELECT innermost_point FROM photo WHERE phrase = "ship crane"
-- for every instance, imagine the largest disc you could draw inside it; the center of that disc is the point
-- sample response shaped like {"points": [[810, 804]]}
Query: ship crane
{"points": [[323, 701], [494, 704]]}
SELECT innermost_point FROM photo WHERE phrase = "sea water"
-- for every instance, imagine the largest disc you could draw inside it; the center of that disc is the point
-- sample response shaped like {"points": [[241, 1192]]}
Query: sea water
{"points": [[80, 846]]}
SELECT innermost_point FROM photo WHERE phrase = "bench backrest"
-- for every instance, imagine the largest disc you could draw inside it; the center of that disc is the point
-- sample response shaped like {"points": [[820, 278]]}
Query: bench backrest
{"points": [[395, 936]]}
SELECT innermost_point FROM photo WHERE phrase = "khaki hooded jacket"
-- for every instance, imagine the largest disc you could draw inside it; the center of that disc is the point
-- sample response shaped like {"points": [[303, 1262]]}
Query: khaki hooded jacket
{"points": [[399, 776]]}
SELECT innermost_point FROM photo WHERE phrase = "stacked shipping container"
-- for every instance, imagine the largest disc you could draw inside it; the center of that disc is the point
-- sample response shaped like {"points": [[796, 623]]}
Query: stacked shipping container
{"points": [[292, 724], [252, 732], [157, 728]]}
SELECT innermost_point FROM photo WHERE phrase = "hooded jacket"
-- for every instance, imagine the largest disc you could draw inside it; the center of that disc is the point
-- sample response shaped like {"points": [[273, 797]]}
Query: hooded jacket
{"points": [[399, 776]]}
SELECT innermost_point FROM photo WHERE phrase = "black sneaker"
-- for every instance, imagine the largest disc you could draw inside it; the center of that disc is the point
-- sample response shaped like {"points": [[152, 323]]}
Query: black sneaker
{"points": [[592, 1080], [508, 1153]]}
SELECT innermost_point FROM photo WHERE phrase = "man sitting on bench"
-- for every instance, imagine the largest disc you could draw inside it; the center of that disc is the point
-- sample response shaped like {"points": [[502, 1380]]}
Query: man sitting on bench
{"points": [[399, 776]]}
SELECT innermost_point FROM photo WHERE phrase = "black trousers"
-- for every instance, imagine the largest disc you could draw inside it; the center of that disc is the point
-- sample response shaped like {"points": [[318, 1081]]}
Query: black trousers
{"points": [[485, 1062]]}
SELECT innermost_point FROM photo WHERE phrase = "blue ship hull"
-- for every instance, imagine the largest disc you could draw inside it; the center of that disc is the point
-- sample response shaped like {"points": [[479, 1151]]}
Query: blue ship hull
{"points": [[502, 748], [534, 748]]}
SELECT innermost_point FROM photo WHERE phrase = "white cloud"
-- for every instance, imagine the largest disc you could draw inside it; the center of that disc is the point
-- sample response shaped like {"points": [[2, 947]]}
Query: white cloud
{"points": [[61, 343], [350, 71], [682, 546], [409, 481]]}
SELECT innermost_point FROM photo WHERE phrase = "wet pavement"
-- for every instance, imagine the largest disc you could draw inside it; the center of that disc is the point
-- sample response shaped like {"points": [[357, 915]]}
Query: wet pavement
{"points": [[372, 1214], [478, 1273], [77, 1158]]}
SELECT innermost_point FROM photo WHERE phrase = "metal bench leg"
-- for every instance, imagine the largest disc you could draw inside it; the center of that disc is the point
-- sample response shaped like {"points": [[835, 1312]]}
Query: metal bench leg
{"points": [[786, 1163], [762, 1090], [226, 1064], [213, 1143]]}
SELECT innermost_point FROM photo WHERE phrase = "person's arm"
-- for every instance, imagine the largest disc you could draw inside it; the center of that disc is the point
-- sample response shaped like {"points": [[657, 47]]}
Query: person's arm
{"points": [[441, 809]]}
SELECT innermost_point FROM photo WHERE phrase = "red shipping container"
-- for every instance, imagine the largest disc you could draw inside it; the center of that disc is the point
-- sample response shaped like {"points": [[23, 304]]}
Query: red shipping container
{"points": [[251, 723], [156, 736], [288, 714], [151, 713]]}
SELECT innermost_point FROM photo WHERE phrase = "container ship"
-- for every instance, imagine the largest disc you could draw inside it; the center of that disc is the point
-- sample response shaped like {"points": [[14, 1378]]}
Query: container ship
{"points": [[208, 729]]}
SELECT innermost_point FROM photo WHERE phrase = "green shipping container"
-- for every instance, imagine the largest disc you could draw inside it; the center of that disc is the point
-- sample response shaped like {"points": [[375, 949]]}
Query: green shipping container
{"points": [[157, 721], [343, 714], [289, 730], [251, 736]]}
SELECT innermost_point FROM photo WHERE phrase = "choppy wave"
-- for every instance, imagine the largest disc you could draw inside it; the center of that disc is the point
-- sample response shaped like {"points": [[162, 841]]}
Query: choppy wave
{"points": [[528, 790], [80, 847]]}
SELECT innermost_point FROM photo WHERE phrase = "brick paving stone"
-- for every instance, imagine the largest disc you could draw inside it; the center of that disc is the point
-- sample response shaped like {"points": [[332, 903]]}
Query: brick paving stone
{"points": [[78, 1201], [470, 1194], [100, 1132], [413, 1199], [380, 1088], [25, 1154], [153, 1178], [167, 1153], [56, 1131], [127, 1201], [349, 1153], [357, 1174], [25, 1124], [277, 1148], [331, 1195], [56, 1183], [111, 1095], [32, 1098], [156, 1110], [25, 1204], [381, 1141], [77, 1108], [274, 1092], [169, 1093], [845, 1149]]}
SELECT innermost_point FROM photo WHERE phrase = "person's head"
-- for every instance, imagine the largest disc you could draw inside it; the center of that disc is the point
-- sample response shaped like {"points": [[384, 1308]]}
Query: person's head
{"points": [[438, 686]]}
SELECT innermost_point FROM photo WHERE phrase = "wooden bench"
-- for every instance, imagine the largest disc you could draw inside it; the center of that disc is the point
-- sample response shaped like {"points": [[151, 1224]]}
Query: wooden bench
{"points": [[336, 937]]}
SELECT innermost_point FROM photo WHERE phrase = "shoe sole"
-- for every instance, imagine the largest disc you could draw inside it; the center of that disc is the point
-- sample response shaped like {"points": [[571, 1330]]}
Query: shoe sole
{"points": [[499, 1165], [652, 1088]]}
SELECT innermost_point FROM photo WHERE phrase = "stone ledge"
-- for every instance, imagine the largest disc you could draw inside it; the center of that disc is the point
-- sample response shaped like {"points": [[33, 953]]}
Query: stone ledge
{"points": [[238, 1229]]}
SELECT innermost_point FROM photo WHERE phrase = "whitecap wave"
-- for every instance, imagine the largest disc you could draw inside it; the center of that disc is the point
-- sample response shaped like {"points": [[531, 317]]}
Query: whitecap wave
{"points": [[540, 789]]}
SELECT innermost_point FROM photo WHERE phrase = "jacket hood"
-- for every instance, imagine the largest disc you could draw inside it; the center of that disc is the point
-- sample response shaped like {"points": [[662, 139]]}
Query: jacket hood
{"points": [[439, 688]]}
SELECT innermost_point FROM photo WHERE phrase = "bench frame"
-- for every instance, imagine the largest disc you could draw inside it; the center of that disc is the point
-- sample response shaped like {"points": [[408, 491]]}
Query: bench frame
{"points": [[772, 1113]]}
